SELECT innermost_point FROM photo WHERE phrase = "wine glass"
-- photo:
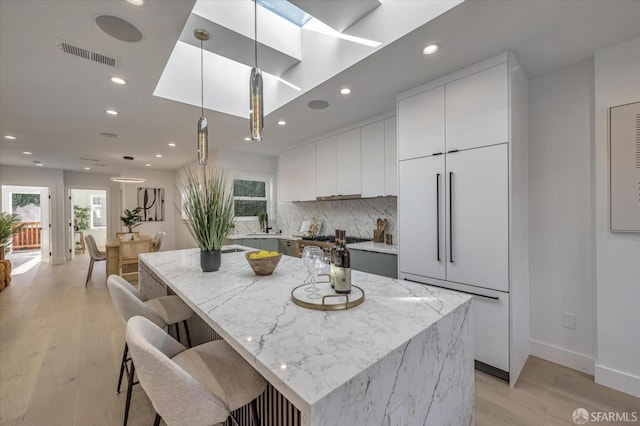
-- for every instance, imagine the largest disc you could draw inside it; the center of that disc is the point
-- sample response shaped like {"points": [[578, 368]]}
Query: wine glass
{"points": [[314, 261]]}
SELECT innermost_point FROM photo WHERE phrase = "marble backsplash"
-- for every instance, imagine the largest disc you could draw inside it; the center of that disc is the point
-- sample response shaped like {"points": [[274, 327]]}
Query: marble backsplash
{"points": [[357, 217]]}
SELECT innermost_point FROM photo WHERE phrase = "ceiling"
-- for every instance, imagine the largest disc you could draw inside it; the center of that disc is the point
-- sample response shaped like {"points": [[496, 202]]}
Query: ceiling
{"points": [[54, 103]]}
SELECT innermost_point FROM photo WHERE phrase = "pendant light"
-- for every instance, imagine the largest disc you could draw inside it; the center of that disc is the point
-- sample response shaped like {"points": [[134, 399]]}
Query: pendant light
{"points": [[256, 119], [203, 133], [126, 179]]}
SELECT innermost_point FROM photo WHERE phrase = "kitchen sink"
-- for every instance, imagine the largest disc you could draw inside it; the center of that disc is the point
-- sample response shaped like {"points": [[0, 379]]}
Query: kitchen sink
{"points": [[232, 250]]}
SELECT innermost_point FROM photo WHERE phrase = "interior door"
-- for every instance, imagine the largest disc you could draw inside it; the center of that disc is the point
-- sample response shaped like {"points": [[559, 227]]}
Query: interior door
{"points": [[421, 217], [45, 225], [478, 217]]}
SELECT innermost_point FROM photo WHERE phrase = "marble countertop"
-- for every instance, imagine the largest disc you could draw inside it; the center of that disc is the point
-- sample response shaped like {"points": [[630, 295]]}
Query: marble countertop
{"points": [[375, 247], [306, 354]]}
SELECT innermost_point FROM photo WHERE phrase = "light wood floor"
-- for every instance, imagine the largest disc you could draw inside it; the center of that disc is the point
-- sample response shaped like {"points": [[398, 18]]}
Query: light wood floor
{"points": [[60, 347]]}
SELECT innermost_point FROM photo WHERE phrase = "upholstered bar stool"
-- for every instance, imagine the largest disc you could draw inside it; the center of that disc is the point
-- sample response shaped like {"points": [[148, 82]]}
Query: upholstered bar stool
{"points": [[162, 311], [191, 387]]}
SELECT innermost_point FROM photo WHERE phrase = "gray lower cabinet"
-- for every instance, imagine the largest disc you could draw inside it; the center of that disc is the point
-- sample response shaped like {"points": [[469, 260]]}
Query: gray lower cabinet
{"points": [[268, 244], [374, 263]]}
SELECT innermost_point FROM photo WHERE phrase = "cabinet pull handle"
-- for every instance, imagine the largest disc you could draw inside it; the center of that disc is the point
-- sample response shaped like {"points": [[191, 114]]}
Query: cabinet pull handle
{"points": [[438, 216], [452, 151], [451, 217], [455, 289]]}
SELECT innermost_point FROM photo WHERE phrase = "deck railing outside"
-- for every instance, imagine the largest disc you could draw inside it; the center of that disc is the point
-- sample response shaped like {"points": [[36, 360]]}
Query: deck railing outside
{"points": [[27, 237]]}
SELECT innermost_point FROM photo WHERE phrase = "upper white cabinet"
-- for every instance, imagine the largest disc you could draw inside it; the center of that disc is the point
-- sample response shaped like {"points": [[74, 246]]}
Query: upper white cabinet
{"points": [[362, 161], [477, 109], [421, 124], [373, 158], [297, 174], [326, 167], [390, 157], [349, 163]]}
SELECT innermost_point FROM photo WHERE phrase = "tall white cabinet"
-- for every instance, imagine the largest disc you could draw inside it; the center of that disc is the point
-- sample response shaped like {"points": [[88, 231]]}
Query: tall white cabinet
{"points": [[462, 144]]}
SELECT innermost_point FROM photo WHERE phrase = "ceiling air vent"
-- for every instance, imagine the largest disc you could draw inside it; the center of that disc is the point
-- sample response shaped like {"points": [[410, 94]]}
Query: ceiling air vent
{"points": [[86, 54]]}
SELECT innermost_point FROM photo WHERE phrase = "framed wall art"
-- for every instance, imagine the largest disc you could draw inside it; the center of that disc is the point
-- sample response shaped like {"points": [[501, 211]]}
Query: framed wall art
{"points": [[151, 201], [624, 168]]}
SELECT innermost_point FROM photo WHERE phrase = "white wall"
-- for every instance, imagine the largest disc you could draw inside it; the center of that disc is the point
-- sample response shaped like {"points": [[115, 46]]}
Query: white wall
{"points": [[617, 81], [52, 179], [560, 216], [155, 179]]}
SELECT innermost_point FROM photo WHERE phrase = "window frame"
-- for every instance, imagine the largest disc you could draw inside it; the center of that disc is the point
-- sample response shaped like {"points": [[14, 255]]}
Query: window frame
{"points": [[101, 207], [268, 180]]}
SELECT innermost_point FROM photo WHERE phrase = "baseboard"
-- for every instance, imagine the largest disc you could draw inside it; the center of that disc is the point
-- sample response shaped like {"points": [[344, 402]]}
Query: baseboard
{"points": [[618, 380], [558, 355]]}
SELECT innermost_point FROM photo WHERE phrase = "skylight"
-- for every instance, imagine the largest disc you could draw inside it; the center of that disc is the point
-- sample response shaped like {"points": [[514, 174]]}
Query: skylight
{"points": [[286, 10]]}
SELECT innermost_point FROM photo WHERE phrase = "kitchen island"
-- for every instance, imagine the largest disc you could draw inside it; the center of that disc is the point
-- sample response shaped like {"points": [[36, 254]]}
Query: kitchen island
{"points": [[405, 353]]}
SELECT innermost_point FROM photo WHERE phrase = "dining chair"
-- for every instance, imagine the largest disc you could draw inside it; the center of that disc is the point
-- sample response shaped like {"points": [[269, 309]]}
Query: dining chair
{"points": [[198, 386], [163, 311], [94, 254], [159, 238], [128, 257]]}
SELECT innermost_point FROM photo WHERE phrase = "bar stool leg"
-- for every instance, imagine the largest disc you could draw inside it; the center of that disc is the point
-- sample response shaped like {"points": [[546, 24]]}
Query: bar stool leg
{"points": [[156, 421], [253, 407], [129, 391], [177, 326], [186, 330], [123, 365]]}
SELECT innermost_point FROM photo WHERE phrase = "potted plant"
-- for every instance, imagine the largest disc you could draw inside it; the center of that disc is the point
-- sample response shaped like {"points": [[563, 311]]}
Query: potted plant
{"points": [[208, 209], [81, 217], [131, 218], [9, 223]]}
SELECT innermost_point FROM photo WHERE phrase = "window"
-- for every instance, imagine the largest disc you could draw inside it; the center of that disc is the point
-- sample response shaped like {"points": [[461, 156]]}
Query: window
{"points": [[252, 196], [98, 211]]}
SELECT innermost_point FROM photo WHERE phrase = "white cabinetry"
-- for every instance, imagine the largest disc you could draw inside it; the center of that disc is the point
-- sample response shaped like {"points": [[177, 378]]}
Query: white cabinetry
{"points": [[297, 174], [362, 161], [373, 159], [421, 124], [477, 109], [349, 163], [477, 205], [326, 167], [390, 157], [462, 156]]}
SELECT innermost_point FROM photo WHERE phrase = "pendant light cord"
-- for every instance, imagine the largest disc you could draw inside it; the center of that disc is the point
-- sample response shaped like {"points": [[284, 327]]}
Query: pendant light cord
{"points": [[201, 79], [255, 30]]}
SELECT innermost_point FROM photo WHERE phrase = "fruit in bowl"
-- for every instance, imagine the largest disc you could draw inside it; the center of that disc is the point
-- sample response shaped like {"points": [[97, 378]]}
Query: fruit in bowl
{"points": [[263, 262]]}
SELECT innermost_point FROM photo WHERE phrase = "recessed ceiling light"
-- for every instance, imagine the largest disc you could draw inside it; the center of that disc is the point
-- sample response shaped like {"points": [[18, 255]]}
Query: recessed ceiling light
{"points": [[12, 138], [148, 165], [136, 2], [431, 49], [111, 112], [282, 123], [26, 152], [158, 155], [118, 80], [345, 91], [87, 168], [39, 164], [247, 139], [171, 144]]}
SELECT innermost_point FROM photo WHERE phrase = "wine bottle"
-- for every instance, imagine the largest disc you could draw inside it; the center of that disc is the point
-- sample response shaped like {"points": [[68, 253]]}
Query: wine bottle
{"points": [[342, 283], [332, 274]]}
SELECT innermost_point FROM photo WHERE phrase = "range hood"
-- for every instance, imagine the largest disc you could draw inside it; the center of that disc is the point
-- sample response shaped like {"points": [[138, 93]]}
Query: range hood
{"points": [[339, 197]]}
